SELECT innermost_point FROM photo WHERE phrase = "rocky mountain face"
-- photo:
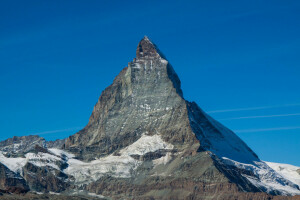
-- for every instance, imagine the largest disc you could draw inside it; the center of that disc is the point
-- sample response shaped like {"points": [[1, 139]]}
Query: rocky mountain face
{"points": [[11, 182], [145, 98], [145, 141], [18, 146]]}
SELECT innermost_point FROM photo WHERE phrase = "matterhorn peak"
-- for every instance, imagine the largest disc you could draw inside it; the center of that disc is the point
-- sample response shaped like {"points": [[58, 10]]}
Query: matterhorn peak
{"points": [[147, 49]]}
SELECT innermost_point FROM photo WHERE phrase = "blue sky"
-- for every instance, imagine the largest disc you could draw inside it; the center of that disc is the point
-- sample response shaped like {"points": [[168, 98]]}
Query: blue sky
{"points": [[239, 60]]}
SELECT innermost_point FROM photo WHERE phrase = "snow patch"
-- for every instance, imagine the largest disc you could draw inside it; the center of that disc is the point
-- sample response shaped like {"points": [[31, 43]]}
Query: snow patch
{"points": [[163, 61], [146, 144], [43, 159], [163, 160], [14, 164], [96, 195], [61, 153]]}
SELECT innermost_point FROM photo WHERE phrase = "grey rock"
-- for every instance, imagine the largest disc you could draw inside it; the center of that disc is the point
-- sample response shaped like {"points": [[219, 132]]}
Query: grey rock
{"points": [[145, 98], [58, 144], [11, 182], [19, 146], [45, 179]]}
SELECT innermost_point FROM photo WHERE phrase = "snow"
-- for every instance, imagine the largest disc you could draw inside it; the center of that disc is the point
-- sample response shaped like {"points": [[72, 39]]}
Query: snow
{"points": [[268, 176], [163, 61], [287, 171], [95, 195], [54, 193], [43, 159], [265, 177], [218, 139], [163, 160], [85, 172], [116, 165], [61, 153], [284, 189], [146, 144], [227, 146], [14, 164], [40, 159]]}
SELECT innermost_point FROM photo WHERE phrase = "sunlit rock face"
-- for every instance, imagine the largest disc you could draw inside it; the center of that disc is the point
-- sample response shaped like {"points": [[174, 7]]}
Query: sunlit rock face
{"points": [[145, 98]]}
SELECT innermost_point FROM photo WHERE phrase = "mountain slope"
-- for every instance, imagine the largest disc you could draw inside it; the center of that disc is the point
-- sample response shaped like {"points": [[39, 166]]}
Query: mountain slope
{"points": [[145, 141], [289, 172]]}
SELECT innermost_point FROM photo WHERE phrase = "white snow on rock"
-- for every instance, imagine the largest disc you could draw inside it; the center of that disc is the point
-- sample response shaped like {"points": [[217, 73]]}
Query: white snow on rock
{"points": [[40, 159], [43, 159], [228, 145], [120, 165], [14, 164], [145, 145], [85, 172], [61, 153], [163, 160], [265, 177], [287, 171]]}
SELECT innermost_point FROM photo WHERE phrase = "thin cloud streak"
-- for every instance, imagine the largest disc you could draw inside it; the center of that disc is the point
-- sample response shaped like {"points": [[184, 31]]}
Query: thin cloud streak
{"points": [[261, 116], [56, 131], [267, 129], [252, 108]]}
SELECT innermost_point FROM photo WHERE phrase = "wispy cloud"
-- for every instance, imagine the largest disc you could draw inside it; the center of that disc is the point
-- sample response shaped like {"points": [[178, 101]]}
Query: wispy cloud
{"points": [[261, 116], [252, 108], [267, 129], [56, 131]]}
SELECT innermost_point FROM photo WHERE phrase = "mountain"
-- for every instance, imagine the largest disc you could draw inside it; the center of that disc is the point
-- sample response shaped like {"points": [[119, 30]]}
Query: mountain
{"points": [[145, 141]]}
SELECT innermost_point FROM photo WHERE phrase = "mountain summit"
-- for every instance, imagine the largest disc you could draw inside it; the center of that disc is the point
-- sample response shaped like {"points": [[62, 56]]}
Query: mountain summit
{"points": [[147, 50], [145, 141]]}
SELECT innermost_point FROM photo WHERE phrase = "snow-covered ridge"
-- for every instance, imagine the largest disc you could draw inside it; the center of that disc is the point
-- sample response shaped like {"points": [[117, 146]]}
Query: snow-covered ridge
{"points": [[265, 177], [39, 159], [287, 171], [120, 165], [269, 177]]}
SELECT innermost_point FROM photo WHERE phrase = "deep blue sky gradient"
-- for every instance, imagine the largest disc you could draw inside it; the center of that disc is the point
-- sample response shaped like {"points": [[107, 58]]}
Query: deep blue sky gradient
{"points": [[56, 57]]}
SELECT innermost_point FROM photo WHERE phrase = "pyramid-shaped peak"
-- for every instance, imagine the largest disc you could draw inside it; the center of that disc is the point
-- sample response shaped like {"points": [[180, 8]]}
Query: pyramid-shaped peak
{"points": [[146, 38], [147, 49]]}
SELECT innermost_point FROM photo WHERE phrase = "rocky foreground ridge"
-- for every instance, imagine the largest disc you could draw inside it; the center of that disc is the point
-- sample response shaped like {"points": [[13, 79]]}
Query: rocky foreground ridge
{"points": [[143, 141]]}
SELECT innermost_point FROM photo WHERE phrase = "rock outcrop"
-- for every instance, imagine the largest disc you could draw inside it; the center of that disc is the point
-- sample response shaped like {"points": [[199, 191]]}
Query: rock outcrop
{"points": [[11, 182]]}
